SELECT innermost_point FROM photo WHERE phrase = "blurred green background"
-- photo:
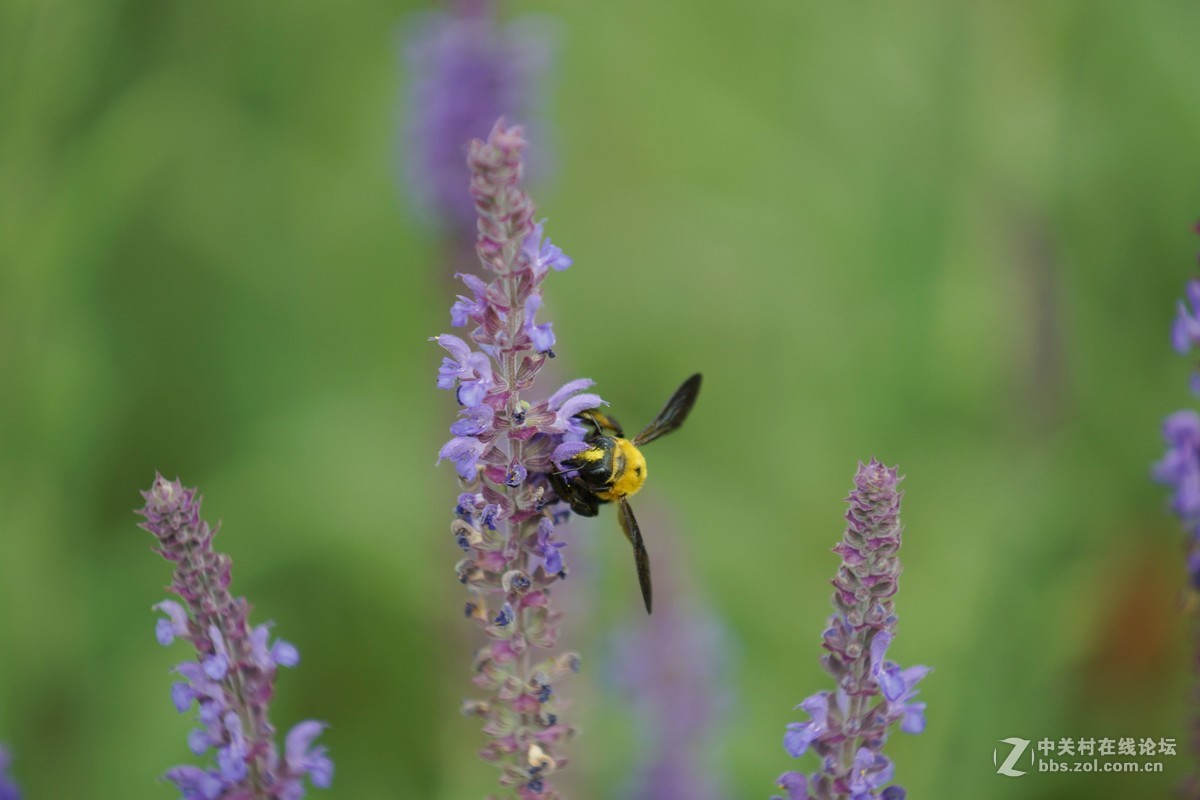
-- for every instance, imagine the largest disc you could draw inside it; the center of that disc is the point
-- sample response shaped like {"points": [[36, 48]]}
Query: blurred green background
{"points": [[943, 233]]}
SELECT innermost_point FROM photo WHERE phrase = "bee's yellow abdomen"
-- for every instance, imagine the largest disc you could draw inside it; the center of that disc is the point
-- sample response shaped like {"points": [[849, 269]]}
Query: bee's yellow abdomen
{"points": [[629, 471]]}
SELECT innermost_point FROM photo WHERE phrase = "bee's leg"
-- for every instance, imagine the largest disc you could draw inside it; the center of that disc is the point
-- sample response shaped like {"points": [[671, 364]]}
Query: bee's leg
{"points": [[581, 501]]}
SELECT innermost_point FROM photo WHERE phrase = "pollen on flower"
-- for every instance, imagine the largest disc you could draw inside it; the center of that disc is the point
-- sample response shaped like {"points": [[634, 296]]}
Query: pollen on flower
{"points": [[538, 759]]}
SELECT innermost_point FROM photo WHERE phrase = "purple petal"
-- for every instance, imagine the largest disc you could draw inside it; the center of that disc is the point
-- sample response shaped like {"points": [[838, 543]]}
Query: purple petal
{"points": [[798, 737], [232, 764], [516, 475], [578, 385], [258, 646], [879, 646], [215, 667], [568, 450], [1193, 292], [182, 696], [914, 675], [580, 402], [891, 681], [542, 337], [465, 452], [455, 346], [914, 718], [285, 653], [476, 420], [472, 393], [176, 623], [1182, 427], [298, 741], [198, 741], [196, 783], [164, 631], [795, 784], [817, 706], [302, 758]]}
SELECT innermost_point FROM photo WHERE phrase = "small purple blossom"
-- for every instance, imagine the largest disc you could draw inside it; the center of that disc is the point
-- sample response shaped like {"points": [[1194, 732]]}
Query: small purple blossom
{"points": [[542, 254], [869, 771], [848, 727], [542, 336], [232, 677], [800, 735], [502, 448], [795, 784], [469, 371], [548, 549], [465, 452]]}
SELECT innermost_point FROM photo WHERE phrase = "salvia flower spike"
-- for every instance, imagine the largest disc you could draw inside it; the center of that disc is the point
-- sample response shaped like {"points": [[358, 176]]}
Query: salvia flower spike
{"points": [[231, 680], [848, 726], [502, 448]]}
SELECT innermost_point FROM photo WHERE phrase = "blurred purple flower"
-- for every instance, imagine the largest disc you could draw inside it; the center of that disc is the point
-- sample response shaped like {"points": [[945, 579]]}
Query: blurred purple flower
{"points": [[233, 677], [8, 789], [848, 727], [674, 667], [1185, 332], [502, 449], [1179, 469], [467, 69]]}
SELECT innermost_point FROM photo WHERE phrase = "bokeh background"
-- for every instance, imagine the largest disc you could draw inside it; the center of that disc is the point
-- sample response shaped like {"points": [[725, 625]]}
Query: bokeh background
{"points": [[946, 234]]}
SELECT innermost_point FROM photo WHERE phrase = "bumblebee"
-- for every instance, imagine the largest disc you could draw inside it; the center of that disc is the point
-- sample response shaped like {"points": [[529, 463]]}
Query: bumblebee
{"points": [[613, 469]]}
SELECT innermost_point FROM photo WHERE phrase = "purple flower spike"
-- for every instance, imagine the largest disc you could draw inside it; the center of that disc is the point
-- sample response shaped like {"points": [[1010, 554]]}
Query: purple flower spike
{"points": [[848, 727], [503, 448], [232, 676]]}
